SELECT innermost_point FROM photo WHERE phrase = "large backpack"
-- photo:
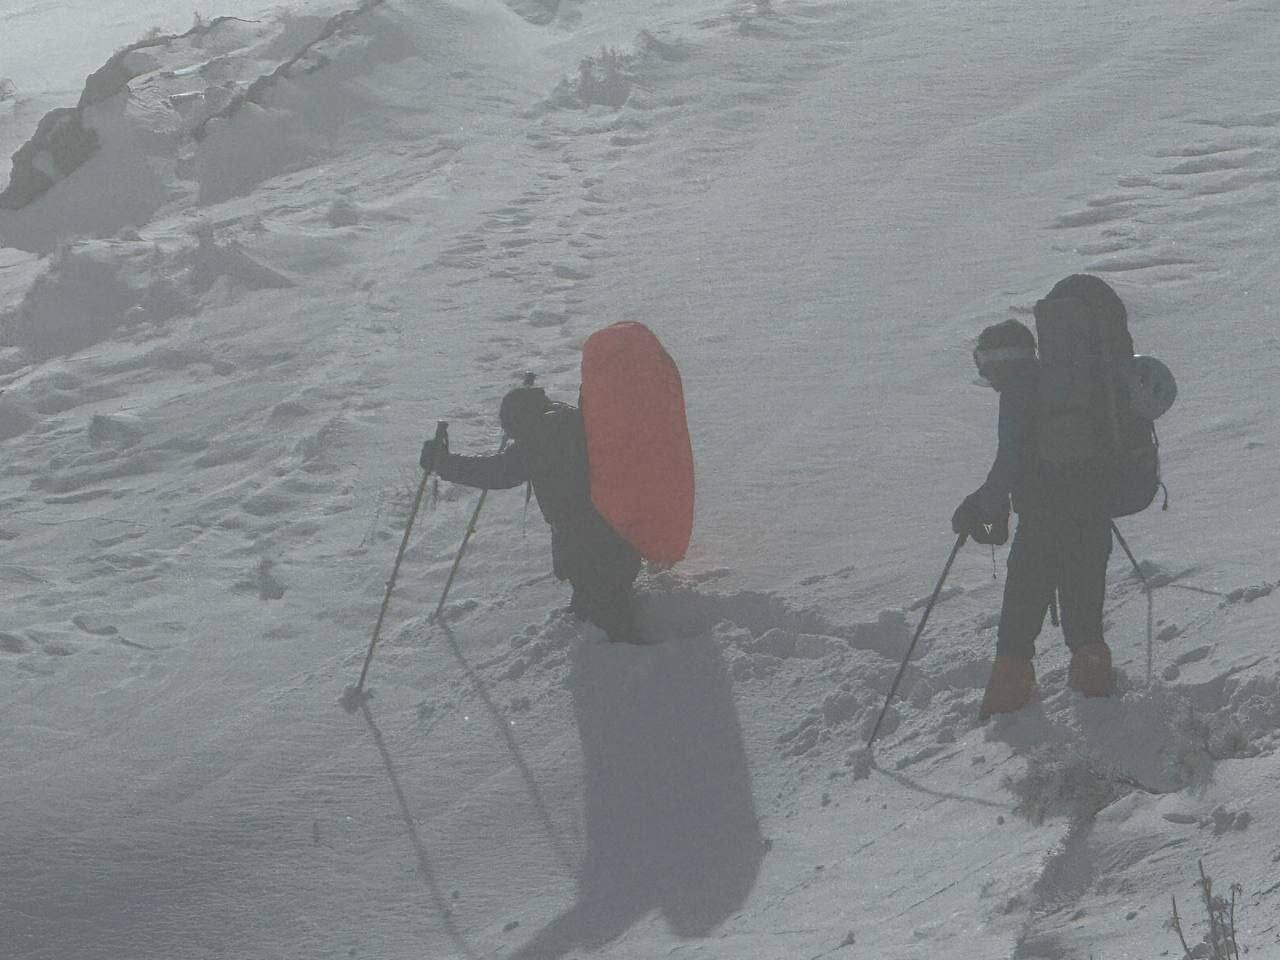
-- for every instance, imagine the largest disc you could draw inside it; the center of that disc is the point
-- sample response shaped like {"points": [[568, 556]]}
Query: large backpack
{"points": [[638, 449], [1087, 425]]}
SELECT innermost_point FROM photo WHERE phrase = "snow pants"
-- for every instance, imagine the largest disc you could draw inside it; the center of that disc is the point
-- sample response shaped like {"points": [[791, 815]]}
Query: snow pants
{"points": [[602, 567], [1060, 555]]}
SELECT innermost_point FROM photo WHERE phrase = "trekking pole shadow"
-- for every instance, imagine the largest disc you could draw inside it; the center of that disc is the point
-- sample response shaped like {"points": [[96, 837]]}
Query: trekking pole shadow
{"points": [[563, 855], [903, 780], [670, 821], [1207, 591], [425, 871]]}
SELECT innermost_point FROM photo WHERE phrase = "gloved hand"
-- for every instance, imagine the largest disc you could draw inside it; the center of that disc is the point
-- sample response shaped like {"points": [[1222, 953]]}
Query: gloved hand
{"points": [[983, 517], [433, 453]]}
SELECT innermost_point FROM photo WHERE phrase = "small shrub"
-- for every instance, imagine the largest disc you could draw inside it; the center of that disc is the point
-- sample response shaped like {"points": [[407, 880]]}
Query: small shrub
{"points": [[405, 491], [1219, 941], [603, 79], [1201, 740], [1062, 781], [7, 90]]}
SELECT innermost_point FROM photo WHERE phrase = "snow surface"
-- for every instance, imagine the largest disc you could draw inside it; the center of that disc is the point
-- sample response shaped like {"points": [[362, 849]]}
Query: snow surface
{"points": [[303, 240]]}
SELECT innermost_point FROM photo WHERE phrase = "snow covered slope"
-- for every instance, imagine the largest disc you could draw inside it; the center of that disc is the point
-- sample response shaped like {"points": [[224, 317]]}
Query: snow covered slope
{"points": [[274, 251]]}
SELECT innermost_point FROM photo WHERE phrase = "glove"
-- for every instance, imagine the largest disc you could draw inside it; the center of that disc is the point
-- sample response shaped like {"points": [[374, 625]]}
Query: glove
{"points": [[434, 453], [983, 517]]}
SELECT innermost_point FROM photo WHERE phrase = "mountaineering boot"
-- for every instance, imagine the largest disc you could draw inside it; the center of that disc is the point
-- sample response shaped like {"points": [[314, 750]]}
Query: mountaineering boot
{"points": [[1012, 686], [1090, 670]]}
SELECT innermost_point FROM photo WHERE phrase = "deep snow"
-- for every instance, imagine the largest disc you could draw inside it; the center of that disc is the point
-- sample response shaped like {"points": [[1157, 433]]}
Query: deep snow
{"points": [[308, 234]]}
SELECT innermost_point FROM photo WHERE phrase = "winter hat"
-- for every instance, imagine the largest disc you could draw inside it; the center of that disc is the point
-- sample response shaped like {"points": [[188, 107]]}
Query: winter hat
{"points": [[999, 344], [1007, 335], [521, 408]]}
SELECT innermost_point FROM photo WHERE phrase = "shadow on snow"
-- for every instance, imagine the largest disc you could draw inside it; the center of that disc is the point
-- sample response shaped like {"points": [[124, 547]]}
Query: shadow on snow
{"points": [[670, 821]]}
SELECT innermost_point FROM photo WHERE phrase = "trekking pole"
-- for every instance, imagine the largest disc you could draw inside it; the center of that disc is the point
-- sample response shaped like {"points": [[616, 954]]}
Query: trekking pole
{"points": [[457, 560], [529, 378], [1146, 588], [354, 696], [919, 630], [1125, 546]]}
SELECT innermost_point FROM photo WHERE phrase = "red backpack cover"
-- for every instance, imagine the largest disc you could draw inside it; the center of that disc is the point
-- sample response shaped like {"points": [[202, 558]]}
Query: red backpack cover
{"points": [[638, 440]]}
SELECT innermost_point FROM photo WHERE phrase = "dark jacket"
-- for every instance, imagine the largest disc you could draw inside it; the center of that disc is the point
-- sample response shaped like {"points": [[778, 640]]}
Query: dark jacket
{"points": [[584, 548], [554, 459], [1013, 471]]}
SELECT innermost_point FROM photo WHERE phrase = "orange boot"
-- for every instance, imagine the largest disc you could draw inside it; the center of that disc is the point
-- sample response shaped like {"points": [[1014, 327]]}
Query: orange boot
{"points": [[1012, 686], [1090, 670]]}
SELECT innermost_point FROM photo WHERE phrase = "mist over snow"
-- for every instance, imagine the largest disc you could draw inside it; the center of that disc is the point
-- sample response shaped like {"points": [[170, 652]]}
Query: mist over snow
{"points": [[249, 258]]}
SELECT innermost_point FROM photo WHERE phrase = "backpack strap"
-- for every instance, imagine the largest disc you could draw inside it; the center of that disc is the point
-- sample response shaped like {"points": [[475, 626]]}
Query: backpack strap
{"points": [[1109, 380]]}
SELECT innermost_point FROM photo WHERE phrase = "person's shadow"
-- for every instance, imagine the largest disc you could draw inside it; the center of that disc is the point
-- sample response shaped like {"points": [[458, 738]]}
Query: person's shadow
{"points": [[670, 821]]}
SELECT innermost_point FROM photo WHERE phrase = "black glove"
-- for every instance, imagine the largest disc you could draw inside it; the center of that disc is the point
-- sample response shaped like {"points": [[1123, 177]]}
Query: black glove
{"points": [[983, 518], [434, 453]]}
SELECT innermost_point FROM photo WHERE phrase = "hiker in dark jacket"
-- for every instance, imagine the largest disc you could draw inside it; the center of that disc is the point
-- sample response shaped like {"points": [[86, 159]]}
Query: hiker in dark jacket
{"points": [[1063, 540], [548, 448]]}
